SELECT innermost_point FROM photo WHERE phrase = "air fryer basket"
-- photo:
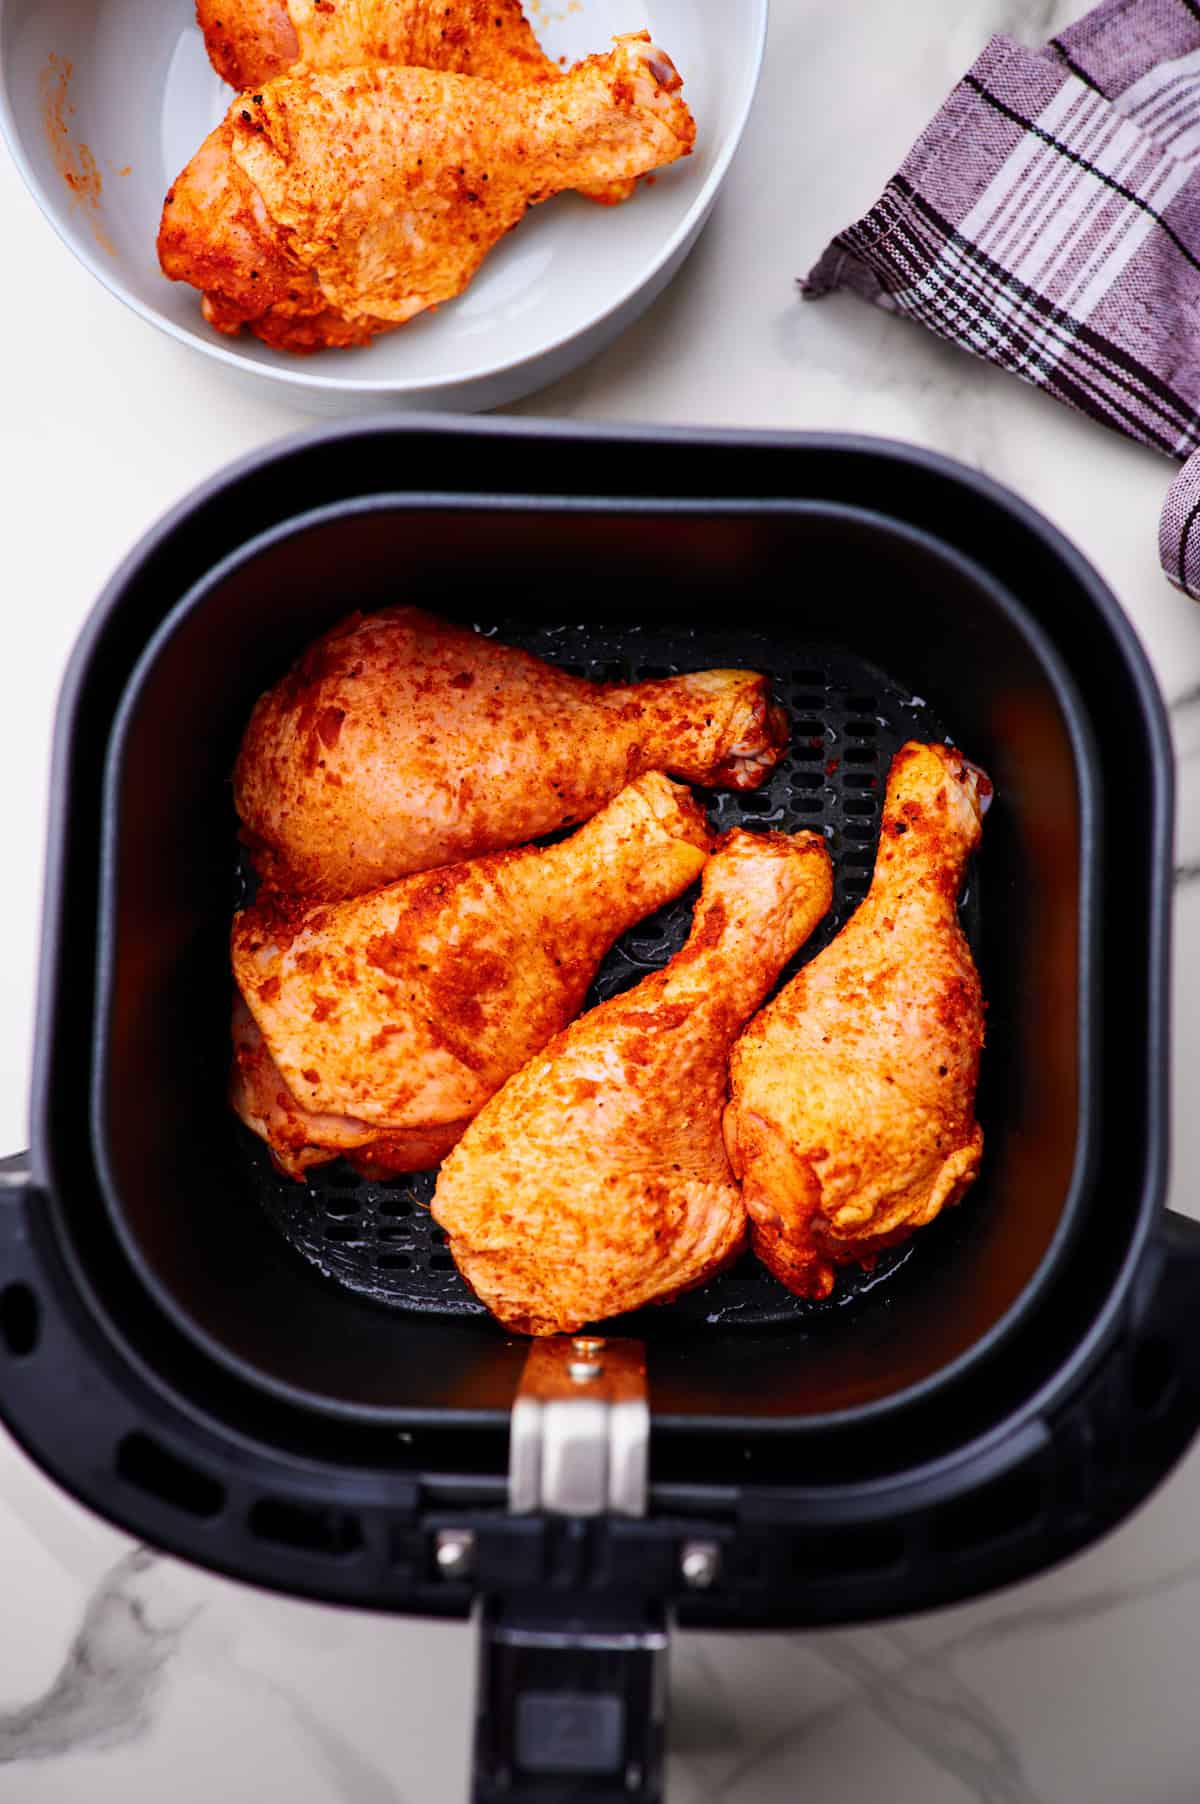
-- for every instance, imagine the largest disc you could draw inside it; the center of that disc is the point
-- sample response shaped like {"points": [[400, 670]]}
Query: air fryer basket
{"points": [[1015, 1384], [170, 850]]}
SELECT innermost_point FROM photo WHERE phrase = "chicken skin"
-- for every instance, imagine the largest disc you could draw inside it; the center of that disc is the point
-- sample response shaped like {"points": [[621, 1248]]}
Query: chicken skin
{"points": [[333, 205], [263, 1101], [852, 1119], [390, 1019], [300, 1139], [251, 42], [399, 742], [597, 1179]]}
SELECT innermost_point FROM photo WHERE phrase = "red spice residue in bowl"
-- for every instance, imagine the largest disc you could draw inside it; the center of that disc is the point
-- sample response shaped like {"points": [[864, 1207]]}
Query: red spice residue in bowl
{"points": [[73, 160]]}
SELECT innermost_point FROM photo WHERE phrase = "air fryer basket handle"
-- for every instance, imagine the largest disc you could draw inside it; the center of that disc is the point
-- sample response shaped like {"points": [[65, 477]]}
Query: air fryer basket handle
{"points": [[1139, 1412], [15, 1171], [1165, 1311], [570, 1710], [1181, 1234]]}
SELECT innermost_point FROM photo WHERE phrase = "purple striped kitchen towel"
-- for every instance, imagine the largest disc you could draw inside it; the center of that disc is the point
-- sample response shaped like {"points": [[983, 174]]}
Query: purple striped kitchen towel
{"points": [[1049, 219]]}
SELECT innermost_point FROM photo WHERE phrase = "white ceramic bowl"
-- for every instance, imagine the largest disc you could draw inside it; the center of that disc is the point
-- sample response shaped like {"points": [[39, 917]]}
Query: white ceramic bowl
{"points": [[104, 101]]}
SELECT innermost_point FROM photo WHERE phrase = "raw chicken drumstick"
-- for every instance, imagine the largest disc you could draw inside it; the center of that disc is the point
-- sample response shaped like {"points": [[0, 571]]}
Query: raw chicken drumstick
{"points": [[597, 1179], [389, 1020], [297, 1138], [250, 42], [399, 742], [333, 205], [852, 1121]]}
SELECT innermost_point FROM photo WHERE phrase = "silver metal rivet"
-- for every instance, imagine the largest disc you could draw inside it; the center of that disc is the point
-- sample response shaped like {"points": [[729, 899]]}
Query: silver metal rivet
{"points": [[633, 1776], [700, 1564], [455, 1552], [584, 1370]]}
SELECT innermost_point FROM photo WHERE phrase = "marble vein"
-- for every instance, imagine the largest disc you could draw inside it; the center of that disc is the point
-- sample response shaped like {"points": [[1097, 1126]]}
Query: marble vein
{"points": [[359, 1780], [921, 1696], [932, 1708], [1090, 1606], [105, 1692]]}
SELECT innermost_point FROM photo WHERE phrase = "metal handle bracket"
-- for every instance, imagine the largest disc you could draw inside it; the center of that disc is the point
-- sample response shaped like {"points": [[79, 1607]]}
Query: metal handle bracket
{"points": [[581, 1429]]}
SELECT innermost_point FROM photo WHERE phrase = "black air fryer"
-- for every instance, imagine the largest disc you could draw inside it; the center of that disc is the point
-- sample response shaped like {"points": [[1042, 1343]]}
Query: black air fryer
{"points": [[290, 1384]]}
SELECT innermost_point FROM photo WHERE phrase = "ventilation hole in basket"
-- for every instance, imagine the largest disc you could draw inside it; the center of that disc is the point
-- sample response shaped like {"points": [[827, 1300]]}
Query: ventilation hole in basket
{"points": [[863, 729], [439, 1237], [809, 729], [1153, 1377], [860, 779], [342, 1180], [759, 804], [394, 1262], [142, 1462], [860, 754], [20, 1320], [857, 858], [1008, 1507], [342, 1205], [398, 1206], [304, 1528], [847, 1552], [440, 1262], [858, 805], [862, 704], [395, 1233], [344, 1230], [808, 703], [858, 831]]}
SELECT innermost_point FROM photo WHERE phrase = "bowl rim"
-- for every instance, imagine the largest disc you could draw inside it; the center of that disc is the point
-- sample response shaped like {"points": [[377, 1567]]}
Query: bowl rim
{"points": [[411, 387]]}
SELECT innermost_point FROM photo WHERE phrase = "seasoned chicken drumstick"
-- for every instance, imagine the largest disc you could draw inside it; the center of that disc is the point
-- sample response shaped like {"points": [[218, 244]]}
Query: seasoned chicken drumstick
{"points": [[852, 1120], [597, 1180], [399, 742], [250, 42], [297, 1137], [331, 206], [390, 1019]]}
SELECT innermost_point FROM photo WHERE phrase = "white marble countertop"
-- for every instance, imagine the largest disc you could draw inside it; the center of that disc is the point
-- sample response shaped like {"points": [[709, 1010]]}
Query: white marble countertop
{"points": [[126, 1676]]}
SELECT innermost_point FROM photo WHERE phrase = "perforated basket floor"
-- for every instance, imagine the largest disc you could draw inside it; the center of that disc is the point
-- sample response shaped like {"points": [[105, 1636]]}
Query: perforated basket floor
{"points": [[847, 720]]}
